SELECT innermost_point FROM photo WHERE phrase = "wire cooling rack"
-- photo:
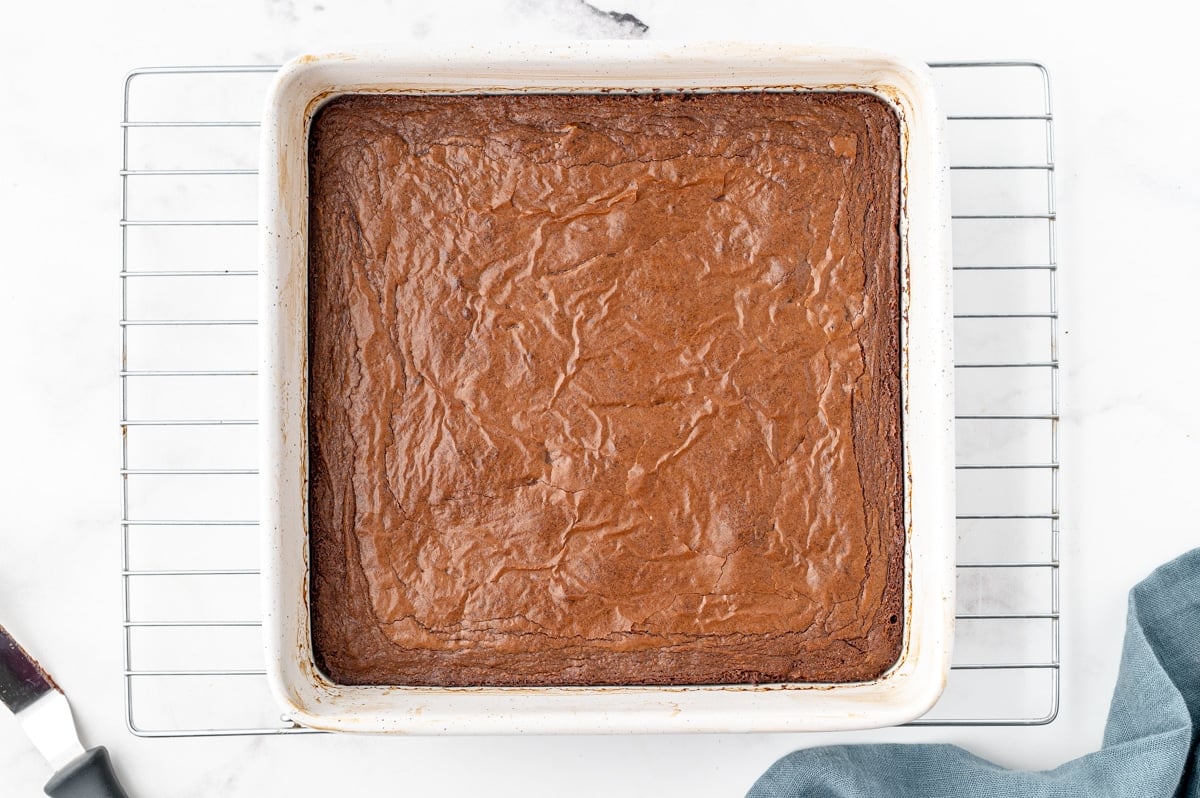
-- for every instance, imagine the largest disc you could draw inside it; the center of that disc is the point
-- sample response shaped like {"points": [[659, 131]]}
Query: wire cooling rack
{"points": [[193, 654]]}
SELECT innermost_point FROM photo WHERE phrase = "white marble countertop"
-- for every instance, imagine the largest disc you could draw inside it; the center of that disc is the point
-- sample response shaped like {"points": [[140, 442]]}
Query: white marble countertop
{"points": [[1128, 200]]}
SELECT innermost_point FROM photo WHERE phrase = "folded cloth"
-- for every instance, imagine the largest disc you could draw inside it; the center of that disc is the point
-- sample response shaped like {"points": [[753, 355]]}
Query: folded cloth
{"points": [[1150, 740]]}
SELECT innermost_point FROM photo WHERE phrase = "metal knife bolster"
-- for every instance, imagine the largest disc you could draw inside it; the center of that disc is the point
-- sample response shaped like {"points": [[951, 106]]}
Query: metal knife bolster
{"points": [[49, 724]]}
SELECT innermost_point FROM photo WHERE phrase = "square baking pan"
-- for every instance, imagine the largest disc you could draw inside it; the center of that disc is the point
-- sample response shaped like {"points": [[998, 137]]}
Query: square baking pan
{"points": [[903, 692]]}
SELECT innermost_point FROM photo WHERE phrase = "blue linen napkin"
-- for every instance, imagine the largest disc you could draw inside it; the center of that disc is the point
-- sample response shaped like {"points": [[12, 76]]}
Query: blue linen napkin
{"points": [[1150, 740]]}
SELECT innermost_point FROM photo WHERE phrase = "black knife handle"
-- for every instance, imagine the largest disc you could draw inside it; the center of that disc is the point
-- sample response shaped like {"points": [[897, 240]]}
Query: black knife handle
{"points": [[88, 776]]}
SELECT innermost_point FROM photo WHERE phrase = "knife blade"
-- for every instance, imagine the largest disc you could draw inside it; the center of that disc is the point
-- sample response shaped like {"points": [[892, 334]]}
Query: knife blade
{"points": [[43, 712]]}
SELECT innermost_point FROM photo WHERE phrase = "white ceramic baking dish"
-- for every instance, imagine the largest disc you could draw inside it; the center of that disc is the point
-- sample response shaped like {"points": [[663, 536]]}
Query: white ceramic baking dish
{"points": [[905, 691]]}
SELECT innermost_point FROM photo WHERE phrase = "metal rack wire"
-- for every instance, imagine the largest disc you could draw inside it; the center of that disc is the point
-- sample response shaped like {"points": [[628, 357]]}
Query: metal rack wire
{"points": [[189, 535]]}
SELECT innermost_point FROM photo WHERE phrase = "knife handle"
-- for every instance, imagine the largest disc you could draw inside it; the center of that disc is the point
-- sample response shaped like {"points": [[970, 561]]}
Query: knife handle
{"points": [[88, 776]]}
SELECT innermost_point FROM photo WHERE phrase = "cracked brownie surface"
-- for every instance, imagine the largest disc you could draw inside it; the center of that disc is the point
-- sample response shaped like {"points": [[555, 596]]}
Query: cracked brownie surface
{"points": [[605, 389]]}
